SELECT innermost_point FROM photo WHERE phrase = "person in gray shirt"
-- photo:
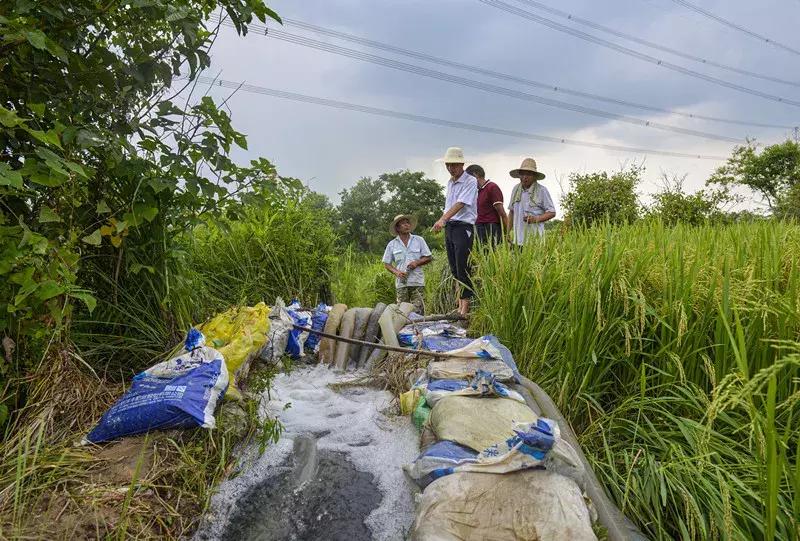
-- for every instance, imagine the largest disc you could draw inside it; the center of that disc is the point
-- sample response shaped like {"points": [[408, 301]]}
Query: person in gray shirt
{"points": [[530, 205]]}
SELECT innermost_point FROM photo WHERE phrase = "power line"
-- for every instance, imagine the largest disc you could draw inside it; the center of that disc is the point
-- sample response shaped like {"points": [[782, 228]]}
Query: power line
{"points": [[486, 87], [631, 52], [652, 45], [740, 28], [441, 122], [517, 79]]}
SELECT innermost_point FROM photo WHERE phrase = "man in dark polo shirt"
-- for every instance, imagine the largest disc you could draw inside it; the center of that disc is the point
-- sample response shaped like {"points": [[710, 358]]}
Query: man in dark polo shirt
{"points": [[492, 218]]}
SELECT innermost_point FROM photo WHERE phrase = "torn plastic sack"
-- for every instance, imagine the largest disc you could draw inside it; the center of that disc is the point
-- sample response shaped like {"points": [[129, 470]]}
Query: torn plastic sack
{"points": [[318, 319], [410, 335], [182, 392], [438, 460], [520, 506], [468, 368], [408, 401], [422, 412], [478, 423], [484, 384]]}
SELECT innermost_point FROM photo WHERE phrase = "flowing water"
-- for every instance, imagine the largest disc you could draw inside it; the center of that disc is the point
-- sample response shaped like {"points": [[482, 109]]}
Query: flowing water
{"points": [[335, 474]]}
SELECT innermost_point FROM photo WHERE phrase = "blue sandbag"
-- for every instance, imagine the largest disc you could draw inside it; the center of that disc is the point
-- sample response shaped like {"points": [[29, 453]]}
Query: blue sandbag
{"points": [[294, 347], [186, 397], [438, 460], [318, 320]]}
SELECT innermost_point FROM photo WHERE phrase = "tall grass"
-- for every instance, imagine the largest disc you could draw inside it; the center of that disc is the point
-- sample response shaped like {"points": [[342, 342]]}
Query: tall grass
{"points": [[674, 353], [359, 279]]}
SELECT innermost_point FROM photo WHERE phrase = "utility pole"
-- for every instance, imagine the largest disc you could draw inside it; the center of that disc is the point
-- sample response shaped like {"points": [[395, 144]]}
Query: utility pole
{"points": [[797, 134]]}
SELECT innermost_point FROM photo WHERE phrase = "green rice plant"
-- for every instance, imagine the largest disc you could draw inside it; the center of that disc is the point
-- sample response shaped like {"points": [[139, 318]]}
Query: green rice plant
{"points": [[672, 352]]}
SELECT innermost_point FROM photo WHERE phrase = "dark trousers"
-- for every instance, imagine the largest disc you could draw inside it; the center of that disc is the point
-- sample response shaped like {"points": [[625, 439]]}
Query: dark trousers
{"points": [[458, 240], [489, 234]]}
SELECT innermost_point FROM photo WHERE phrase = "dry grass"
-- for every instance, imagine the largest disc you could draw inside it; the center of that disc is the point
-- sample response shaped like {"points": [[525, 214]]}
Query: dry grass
{"points": [[151, 487]]}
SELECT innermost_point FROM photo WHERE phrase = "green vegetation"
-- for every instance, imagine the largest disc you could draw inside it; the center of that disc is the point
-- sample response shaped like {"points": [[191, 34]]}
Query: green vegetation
{"points": [[368, 207], [673, 352]]}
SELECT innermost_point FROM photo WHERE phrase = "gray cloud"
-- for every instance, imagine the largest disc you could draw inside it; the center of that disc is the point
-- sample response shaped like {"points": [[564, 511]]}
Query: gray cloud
{"points": [[330, 149]]}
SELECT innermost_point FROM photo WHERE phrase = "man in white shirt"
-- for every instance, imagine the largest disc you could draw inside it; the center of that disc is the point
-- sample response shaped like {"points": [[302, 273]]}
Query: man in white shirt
{"points": [[530, 205], [458, 221], [404, 256]]}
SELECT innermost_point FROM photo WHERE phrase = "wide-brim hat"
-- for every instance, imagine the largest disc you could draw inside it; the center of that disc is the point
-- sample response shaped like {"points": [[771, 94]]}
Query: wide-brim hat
{"points": [[453, 155], [529, 166], [393, 225]]}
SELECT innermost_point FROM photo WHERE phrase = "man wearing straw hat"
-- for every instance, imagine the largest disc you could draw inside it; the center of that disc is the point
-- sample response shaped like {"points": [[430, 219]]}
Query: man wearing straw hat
{"points": [[530, 205], [458, 221], [403, 257]]}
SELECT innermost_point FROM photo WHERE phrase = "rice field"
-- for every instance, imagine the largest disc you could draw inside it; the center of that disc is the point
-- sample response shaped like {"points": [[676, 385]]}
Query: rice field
{"points": [[674, 353]]}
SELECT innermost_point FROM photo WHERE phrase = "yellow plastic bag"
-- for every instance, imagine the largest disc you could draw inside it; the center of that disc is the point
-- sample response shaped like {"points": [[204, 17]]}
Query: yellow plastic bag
{"points": [[408, 401], [237, 333]]}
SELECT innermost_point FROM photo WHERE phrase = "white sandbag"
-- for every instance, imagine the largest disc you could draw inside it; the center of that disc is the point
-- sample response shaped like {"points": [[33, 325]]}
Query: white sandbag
{"points": [[327, 346], [466, 369], [342, 353], [478, 423], [529, 505]]}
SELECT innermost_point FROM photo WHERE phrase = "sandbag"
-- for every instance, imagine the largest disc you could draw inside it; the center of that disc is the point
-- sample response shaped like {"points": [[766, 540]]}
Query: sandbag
{"points": [[371, 334], [345, 331], [295, 345], [359, 331], [468, 368], [529, 505], [488, 347], [238, 334], [327, 346], [386, 323], [280, 327], [392, 320], [182, 392], [438, 460], [318, 319], [484, 384], [478, 423], [411, 335]]}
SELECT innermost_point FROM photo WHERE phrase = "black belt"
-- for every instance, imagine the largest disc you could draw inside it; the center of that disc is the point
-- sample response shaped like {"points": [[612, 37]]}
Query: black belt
{"points": [[458, 222]]}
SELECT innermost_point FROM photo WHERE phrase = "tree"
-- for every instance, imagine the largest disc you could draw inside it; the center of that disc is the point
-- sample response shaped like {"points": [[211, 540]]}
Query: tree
{"points": [[595, 197], [360, 212], [412, 193], [368, 207], [100, 168], [672, 205], [771, 172]]}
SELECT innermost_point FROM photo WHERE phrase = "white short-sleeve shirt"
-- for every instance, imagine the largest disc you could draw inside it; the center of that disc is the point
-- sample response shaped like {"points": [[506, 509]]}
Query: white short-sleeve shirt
{"points": [[400, 255], [463, 190]]}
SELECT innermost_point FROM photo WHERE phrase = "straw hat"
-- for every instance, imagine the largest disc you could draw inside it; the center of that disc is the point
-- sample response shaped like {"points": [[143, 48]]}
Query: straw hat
{"points": [[453, 155], [393, 226], [529, 165]]}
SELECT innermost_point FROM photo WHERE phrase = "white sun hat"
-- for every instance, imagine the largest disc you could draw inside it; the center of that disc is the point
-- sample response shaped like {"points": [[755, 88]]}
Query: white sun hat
{"points": [[453, 155]]}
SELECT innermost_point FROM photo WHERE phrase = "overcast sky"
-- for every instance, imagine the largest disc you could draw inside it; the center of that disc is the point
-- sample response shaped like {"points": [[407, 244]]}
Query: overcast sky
{"points": [[330, 149]]}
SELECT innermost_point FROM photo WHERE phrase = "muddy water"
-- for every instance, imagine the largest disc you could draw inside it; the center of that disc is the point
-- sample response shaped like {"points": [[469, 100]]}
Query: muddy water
{"points": [[335, 474]]}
